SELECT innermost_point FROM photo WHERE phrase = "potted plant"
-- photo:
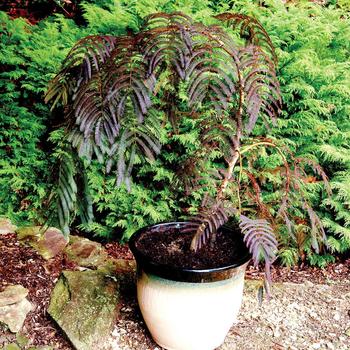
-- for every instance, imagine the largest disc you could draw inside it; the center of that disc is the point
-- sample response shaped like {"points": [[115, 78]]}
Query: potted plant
{"points": [[118, 93]]}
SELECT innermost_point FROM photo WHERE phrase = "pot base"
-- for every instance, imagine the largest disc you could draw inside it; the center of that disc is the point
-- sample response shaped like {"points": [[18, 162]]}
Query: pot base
{"points": [[189, 316]]}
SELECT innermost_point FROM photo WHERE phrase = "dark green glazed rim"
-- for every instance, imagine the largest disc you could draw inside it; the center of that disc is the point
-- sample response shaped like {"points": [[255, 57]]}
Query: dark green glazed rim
{"points": [[146, 264]]}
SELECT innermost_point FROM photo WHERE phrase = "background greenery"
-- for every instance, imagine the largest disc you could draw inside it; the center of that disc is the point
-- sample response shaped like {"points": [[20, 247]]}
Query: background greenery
{"points": [[313, 46]]}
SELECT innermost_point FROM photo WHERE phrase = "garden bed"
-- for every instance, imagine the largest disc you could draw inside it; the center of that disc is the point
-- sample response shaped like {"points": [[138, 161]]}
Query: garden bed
{"points": [[310, 308]]}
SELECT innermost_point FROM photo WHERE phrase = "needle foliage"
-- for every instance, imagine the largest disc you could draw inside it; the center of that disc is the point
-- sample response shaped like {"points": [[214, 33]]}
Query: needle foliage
{"points": [[312, 45]]}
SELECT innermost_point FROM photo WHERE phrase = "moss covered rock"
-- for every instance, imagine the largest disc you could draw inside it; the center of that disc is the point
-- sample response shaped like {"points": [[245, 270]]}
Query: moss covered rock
{"points": [[86, 253], [47, 242], [85, 305], [51, 243], [6, 226], [28, 233]]}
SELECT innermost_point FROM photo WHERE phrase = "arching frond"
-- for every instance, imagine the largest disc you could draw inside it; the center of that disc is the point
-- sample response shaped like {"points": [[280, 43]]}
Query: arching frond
{"points": [[168, 39], [251, 30], [258, 62], [259, 238], [72, 195], [84, 199], [141, 140], [90, 54], [66, 192], [93, 111], [318, 234], [262, 96], [209, 221], [85, 59]]}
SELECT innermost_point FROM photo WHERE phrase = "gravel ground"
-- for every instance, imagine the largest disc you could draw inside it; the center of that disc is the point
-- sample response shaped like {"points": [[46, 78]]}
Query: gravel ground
{"points": [[298, 316]]}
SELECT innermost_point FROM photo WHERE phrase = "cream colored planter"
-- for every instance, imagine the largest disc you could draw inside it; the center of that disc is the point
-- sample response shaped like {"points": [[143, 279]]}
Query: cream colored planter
{"points": [[189, 316], [189, 309]]}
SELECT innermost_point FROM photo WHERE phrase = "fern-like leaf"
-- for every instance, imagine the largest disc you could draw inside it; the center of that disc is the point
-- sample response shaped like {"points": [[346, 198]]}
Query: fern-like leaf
{"points": [[84, 199], [82, 62], [66, 193], [318, 233], [251, 30], [259, 238], [261, 87], [257, 64], [209, 221]]}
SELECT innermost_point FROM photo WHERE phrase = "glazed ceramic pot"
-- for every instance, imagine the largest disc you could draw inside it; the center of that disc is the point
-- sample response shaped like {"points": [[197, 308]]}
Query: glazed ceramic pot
{"points": [[188, 309]]}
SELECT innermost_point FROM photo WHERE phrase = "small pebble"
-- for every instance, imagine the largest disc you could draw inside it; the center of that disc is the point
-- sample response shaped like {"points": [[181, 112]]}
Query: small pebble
{"points": [[347, 332], [330, 346], [308, 284]]}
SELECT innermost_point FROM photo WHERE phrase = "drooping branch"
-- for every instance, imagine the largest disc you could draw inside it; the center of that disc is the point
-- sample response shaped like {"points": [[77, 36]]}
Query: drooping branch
{"points": [[257, 87], [110, 89]]}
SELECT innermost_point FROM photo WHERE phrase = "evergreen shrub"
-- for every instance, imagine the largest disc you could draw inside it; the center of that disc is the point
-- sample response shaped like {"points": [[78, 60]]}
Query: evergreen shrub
{"points": [[313, 47]]}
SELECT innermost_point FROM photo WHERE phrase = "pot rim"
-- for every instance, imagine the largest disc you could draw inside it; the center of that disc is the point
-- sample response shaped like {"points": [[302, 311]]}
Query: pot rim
{"points": [[184, 274]]}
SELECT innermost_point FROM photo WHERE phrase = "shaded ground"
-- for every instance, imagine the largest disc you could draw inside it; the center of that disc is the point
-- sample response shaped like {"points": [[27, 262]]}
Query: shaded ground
{"points": [[313, 313]]}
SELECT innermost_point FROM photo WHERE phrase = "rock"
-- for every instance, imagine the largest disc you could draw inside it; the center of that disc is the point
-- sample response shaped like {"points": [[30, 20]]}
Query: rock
{"points": [[85, 252], [12, 346], [48, 243], [89, 254], [330, 346], [112, 266], [22, 340], [52, 243], [308, 284], [123, 265], [6, 226], [347, 332], [31, 233], [12, 295], [276, 332], [14, 315], [336, 316], [85, 305], [14, 307], [313, 314]]}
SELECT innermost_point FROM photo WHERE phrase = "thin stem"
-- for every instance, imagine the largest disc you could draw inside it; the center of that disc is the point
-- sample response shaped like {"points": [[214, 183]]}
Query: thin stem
{"points": [[236, 154], [64, 10], [239, 183], [236, 144], [263, 143], [271, 144], [231, 165]]}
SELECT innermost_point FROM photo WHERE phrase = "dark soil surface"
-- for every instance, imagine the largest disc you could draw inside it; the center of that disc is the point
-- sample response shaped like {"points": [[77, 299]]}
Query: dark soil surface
{"points": [[172, 247], [23, 265], [315, 290]]}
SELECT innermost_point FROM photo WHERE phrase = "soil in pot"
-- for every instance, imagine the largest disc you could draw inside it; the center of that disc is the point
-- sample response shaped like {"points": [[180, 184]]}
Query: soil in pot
{"points": [[171, 246]]}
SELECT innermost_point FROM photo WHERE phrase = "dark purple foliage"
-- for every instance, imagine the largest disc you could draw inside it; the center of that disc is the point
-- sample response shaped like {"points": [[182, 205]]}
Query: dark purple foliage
{"points": [[110, 88], [259, 238]]}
